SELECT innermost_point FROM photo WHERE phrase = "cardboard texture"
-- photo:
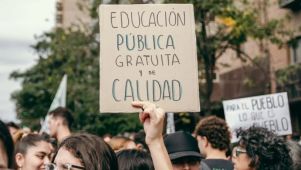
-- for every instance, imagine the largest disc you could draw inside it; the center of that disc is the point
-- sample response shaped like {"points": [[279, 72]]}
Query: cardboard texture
{"points": [[148, 53]]}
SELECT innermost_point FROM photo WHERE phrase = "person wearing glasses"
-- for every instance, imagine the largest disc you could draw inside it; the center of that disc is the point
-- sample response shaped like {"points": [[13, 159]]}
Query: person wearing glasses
{"points": [[89, 152], [84, 151], [260, 149], [33, 152]]}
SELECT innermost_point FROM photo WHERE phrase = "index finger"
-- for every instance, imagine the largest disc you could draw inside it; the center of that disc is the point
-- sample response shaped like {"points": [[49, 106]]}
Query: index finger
{"points": [[138, 104], [144, 105]]}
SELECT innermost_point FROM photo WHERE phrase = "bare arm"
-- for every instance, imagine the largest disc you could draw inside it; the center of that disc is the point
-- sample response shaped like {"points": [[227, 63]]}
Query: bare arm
{"points": [[152, 118]]}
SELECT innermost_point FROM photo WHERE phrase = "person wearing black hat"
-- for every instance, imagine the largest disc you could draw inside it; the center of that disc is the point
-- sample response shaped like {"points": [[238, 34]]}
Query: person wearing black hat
{"points": [[183, 151]]}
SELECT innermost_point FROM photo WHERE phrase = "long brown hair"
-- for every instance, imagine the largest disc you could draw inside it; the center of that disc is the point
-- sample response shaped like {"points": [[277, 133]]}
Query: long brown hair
{"points": [[94, 153]]}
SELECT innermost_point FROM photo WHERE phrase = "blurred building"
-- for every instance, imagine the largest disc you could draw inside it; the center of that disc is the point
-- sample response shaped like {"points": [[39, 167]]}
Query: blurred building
{"points": [[277, 69], [74, 14]]}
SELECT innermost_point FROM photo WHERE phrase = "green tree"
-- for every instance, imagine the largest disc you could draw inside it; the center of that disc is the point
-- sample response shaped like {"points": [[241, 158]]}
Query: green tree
{"points": [[227, 24], [76, 54], [223, 25]]}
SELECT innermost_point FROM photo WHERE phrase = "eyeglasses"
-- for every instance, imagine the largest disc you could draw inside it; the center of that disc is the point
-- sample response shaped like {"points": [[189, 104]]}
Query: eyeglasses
{"points": [[66, 166], [237, 151]]}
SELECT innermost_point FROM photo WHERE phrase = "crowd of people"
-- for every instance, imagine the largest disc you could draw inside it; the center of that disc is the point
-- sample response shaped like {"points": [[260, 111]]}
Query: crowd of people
{"points": [[208, 148]]}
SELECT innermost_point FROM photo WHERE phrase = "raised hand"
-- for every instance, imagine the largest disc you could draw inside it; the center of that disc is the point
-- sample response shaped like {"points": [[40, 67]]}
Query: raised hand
{"points": [[152, 118]]}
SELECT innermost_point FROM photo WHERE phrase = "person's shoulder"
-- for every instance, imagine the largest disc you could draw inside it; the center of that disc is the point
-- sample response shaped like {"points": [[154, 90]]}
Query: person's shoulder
{"points": [[219, 164]]}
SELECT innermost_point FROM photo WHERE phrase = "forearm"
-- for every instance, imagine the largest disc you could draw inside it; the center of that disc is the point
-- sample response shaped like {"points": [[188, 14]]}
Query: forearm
{"points": [[159, 155], [152, 118]]}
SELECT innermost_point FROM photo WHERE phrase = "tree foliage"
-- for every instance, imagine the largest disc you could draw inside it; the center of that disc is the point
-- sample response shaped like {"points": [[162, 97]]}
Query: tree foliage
{"points": [[223, 25], [76, 54], [220, 25]]}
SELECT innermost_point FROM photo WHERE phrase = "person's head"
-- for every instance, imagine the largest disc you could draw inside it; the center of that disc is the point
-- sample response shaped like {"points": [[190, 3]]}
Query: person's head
{"points": [[107, 137], [213, 133], [132, 159], [139, 139], [295, 152], [33, 152], [58, 118], [183, 151], [12, 127], [260, 149], [118, 143], [85, 151], [6, 147]]}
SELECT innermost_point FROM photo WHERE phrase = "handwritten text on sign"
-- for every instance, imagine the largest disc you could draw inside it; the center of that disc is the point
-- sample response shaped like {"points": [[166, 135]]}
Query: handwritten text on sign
{"points": [[270, 111], [148, 52]]}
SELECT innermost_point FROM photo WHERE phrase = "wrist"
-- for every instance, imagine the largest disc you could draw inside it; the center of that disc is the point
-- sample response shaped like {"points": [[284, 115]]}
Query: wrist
{"points": [[155, 143]]}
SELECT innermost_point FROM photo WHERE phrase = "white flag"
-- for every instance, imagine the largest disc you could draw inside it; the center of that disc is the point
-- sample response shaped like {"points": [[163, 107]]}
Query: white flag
{"points": [[59, 100], [60, 96]]}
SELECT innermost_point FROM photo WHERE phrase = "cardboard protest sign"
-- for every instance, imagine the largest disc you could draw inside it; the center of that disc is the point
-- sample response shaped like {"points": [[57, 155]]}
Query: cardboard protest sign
{"points": [[270, 111], [148, 53]]}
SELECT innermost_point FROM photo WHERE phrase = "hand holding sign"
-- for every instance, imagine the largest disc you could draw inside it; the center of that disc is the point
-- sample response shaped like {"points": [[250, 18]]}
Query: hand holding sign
{"points": [[152, 118]]}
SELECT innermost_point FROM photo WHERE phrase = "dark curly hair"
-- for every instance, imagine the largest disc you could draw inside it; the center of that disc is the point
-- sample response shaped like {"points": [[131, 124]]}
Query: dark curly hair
{"points": [[216, 131], [266, 150]]}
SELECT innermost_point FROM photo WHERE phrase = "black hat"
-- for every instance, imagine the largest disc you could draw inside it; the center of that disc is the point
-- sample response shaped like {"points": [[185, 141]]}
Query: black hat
{"points": [[181, 144]]}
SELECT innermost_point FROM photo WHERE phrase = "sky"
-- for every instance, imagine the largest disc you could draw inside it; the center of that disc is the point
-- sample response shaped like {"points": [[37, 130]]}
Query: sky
{"points": [[20, 21]]}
